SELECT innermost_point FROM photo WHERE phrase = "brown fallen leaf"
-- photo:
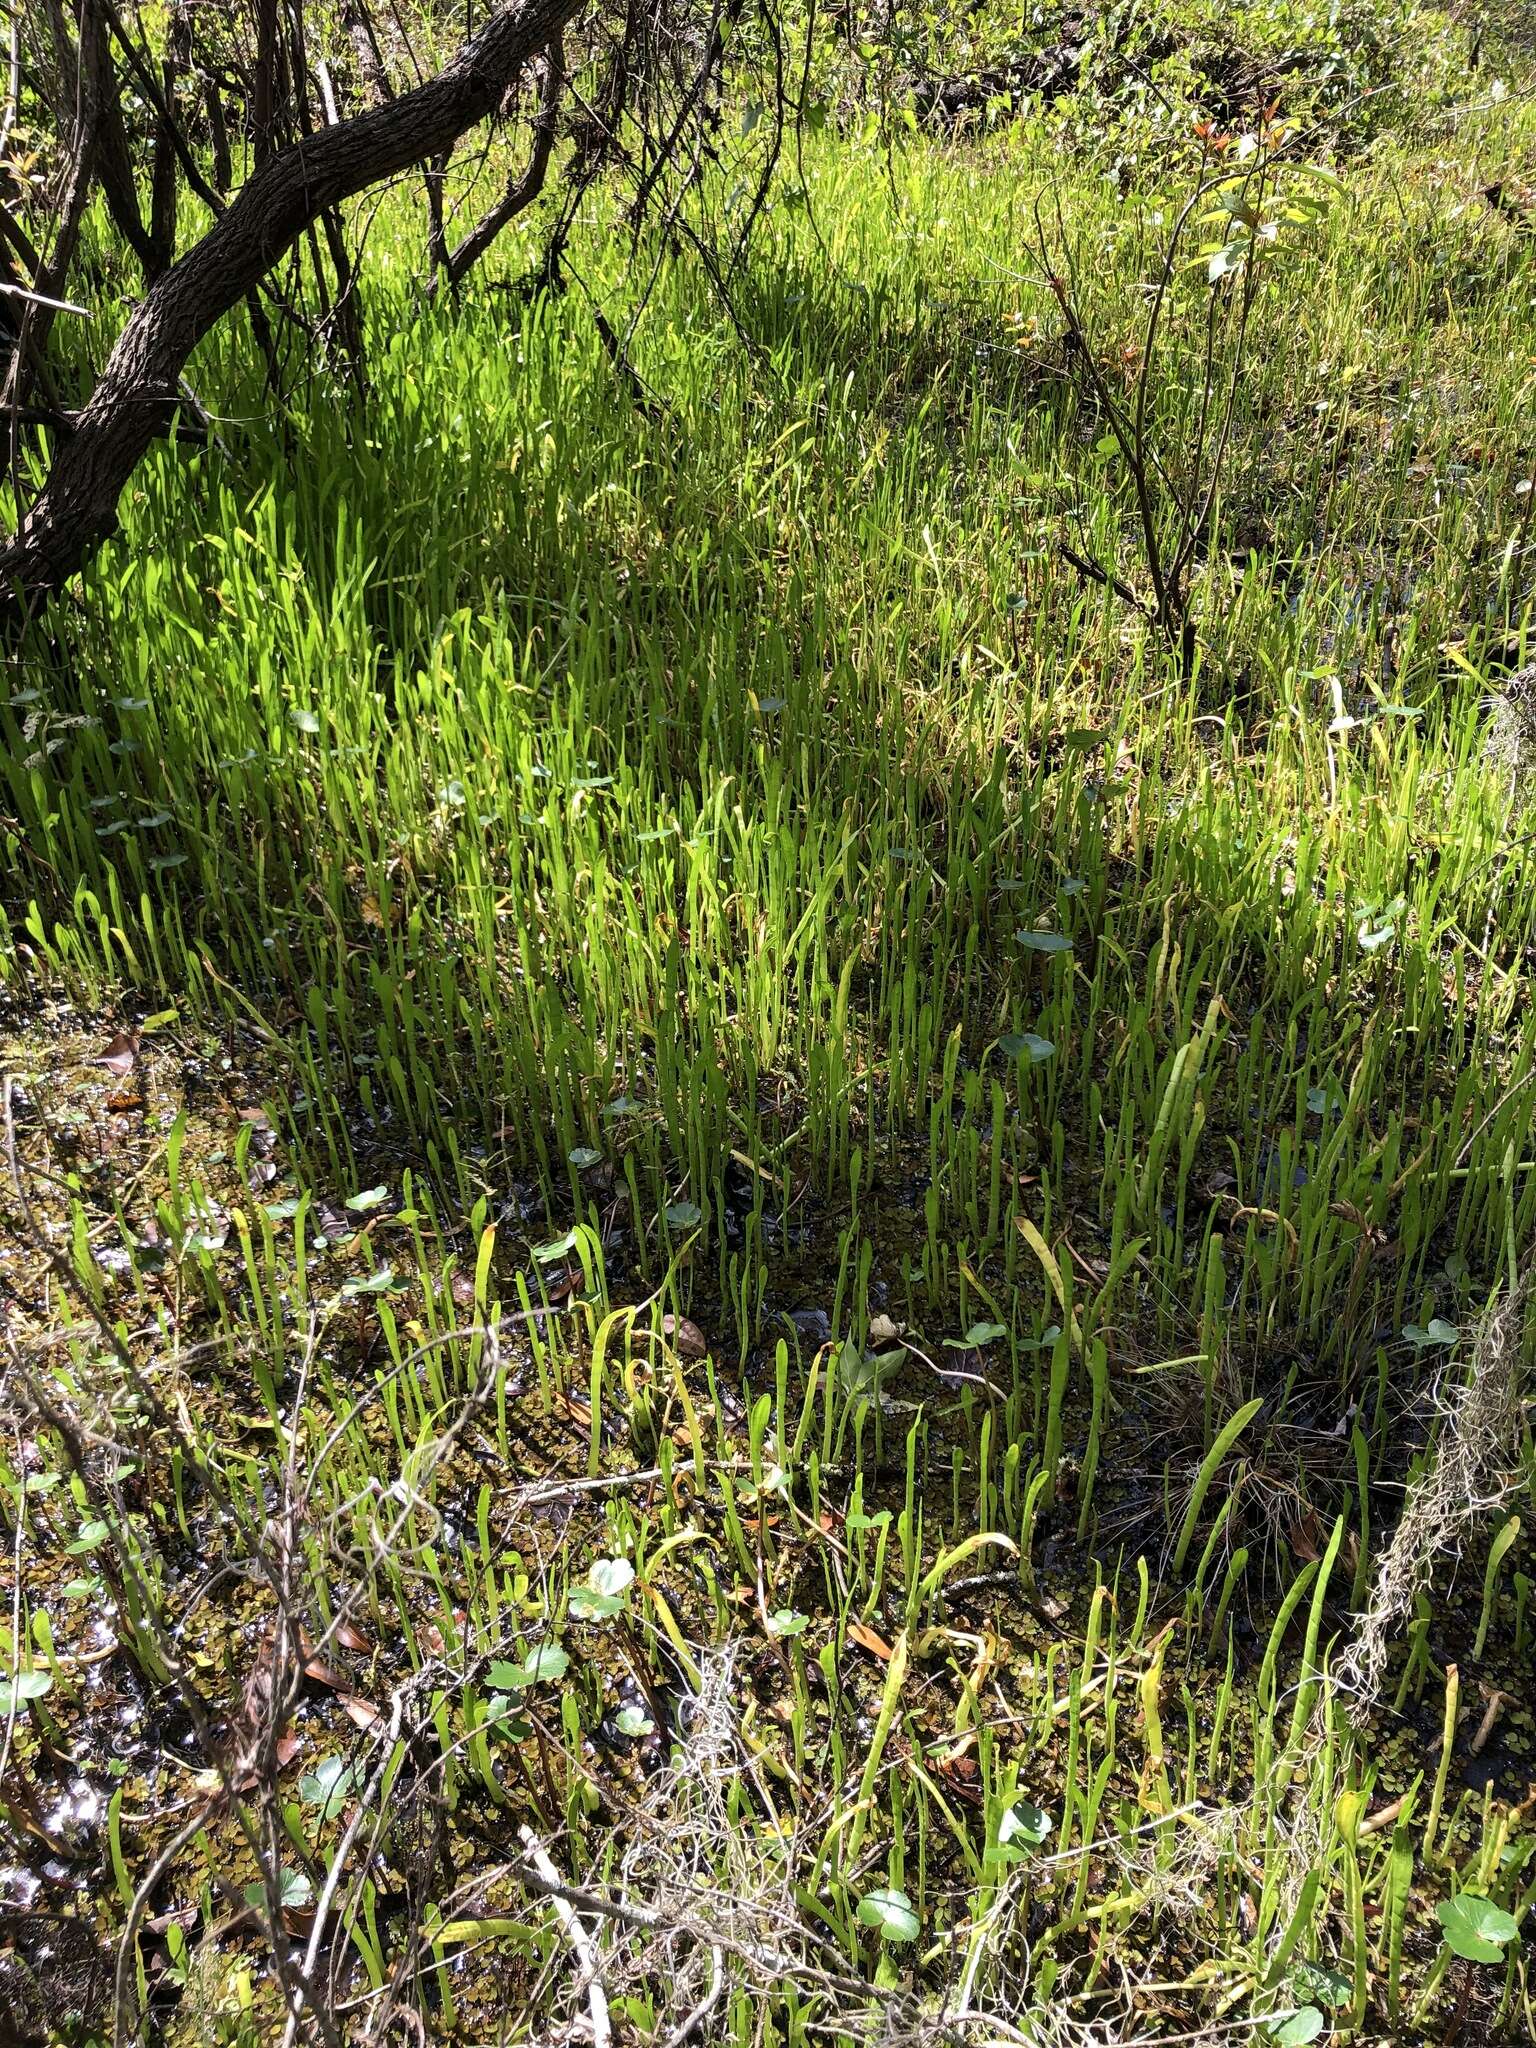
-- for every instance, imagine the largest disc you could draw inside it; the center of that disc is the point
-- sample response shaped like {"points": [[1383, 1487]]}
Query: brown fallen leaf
{"points": [[375, 915], [1305, 1537], [286, 1748], [120, 1054], [125, 1100], [316, 1667], [351, 1637], [174, 1916], [360, 1712], [869, 1639], [963, 1775], [686, 1338]]}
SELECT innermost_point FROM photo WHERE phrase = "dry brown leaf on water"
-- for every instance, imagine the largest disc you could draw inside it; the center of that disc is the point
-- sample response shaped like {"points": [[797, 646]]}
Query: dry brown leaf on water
{"points": [[870, 1639], [173, 1916], [351, 1637], [962, 1773], [120, 1054], [360, 1712], [286, 1748], [316, 1668]]}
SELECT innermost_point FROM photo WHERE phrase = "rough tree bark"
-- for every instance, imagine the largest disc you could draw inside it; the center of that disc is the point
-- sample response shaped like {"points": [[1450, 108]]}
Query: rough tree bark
{"points": [[138, 390]]}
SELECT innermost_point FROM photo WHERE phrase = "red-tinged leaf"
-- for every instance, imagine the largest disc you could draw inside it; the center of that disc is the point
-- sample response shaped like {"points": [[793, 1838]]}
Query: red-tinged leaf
{"points": [[352, 1638], [286, 1748]]}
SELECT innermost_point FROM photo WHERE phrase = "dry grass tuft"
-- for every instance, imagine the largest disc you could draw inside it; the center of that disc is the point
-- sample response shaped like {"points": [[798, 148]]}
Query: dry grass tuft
{"points": [[1463, 1482]]}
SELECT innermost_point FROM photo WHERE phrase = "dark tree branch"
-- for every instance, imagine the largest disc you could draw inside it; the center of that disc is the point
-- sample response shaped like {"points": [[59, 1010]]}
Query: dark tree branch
{"points": [[166, 125], [138, 391], [114, 174], [91, 89], [521, 192], [169, 148], [358, 23]]}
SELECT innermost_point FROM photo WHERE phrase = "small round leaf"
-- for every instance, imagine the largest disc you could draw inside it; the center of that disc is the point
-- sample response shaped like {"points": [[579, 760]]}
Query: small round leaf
{"points": [[891, 1915], [1475, 1928], [1301, 2026]]}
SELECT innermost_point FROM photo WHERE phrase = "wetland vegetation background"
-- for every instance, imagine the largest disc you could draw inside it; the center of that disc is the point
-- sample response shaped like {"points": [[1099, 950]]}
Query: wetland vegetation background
{"points": [[769, 1173]]}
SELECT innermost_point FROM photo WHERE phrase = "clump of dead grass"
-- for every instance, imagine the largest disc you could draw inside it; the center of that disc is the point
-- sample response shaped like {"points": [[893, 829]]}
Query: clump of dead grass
{"points": [[1463, 1481]]}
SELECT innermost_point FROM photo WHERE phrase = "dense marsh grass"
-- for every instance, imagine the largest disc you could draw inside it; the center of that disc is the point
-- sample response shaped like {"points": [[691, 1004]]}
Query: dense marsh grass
{"points": [[728, 833], [538, 754]]}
